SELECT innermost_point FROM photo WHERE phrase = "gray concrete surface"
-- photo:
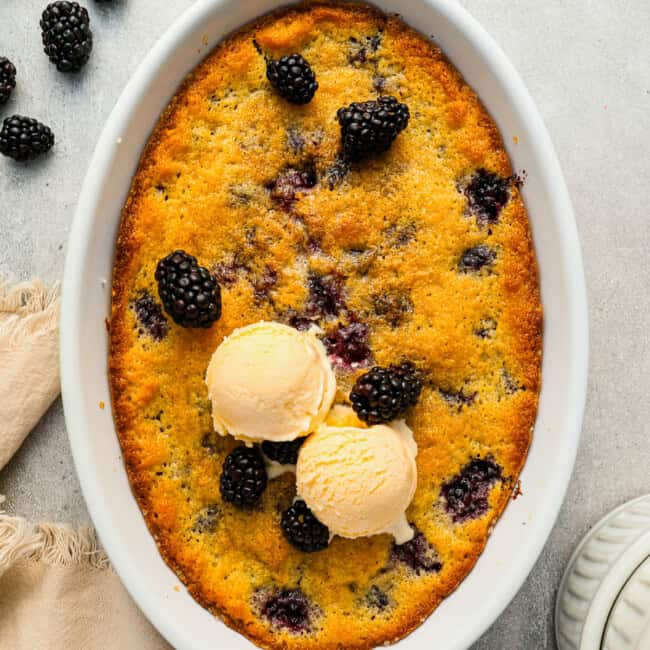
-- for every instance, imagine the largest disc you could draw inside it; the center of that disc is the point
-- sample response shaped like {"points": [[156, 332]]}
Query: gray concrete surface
{"points": [[586, 65]]}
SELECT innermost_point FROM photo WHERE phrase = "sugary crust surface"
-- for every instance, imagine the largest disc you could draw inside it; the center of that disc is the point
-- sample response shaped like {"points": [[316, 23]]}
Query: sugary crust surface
{"points": [[392, 230]]}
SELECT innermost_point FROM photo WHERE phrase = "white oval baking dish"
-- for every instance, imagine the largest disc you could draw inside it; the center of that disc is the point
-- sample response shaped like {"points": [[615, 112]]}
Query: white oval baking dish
{"points": [[520, 535]]}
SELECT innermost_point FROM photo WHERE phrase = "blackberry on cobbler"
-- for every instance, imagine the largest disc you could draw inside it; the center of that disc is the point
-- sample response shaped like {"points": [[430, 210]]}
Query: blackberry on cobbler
{"points": [[285, 453], [243, 477], [189, 293], [23, 138], [7, 79], [67, 38], [293, 78], [369, 128], [383, 394], [302, 530]]}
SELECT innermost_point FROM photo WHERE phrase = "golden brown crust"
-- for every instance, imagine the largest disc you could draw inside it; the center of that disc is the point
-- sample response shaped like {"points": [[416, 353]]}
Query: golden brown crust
{"points": [[394, 227]]}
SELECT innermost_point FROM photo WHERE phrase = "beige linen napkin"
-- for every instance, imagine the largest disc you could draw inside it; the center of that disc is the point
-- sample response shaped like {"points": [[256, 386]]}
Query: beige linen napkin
{"points": [[29, 360], [57, 588]]}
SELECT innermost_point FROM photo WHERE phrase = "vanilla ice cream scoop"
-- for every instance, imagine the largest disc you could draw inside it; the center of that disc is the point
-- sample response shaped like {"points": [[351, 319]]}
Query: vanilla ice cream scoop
{"points": [[268, 381], [359, 481]]}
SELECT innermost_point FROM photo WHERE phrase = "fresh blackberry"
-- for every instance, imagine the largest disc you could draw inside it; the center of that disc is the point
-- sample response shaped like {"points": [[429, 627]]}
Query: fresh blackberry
{"points": [[293, 78], [190, 295], [7, 79], [302, 530], [23, 138], [66, 35], [243, 477], [285, 453], [370, 127], [383, 394]]}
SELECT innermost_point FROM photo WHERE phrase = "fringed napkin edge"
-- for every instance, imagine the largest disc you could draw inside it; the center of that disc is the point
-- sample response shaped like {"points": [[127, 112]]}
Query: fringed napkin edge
{"points": [[31, 304], [53, 544]]}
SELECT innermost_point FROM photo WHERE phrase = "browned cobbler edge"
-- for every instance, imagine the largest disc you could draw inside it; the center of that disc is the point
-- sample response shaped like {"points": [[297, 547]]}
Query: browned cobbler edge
{"points": [[133, 390]]}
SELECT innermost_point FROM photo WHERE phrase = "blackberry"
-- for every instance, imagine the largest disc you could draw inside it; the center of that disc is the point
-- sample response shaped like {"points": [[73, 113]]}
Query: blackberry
{"points": [[392, 306], [348, 345], [287, 609], [293, 78], [243, 477], [23, 138], [475, 258], [487, 194], [289, 182], [370, 127], [7, 79], [377, 599], [67, 38], [458, 398], [302, 530], [383, 394], [417, 554], [466, 494], [285, 453], [190, 295], [325, 294], [150, 316]]}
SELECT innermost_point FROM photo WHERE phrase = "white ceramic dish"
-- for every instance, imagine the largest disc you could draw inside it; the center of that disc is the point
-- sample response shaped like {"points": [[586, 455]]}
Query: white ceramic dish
{"points": [[520, 535]]}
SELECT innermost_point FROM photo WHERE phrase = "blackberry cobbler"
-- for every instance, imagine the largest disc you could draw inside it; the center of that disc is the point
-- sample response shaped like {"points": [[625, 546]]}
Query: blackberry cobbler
{"points": [[326, 171]]}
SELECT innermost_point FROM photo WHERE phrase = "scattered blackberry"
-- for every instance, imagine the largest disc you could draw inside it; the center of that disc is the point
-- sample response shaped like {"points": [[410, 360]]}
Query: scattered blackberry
{"points": [[299, 321], [295, 140], [475, 258], [150, 316], [289, 182], [377, 599], [293, 78], [302, 530], [392, 306], [487, 194], [336, 172], [325, 295], [383, 394], [66, 35], [264, 283], [7, 79], [287, 609], [466, 494], [23, 138], [418, 554], [190, 295], [243, 477], [458, 399], [285, 453], [510, 384], [370, 127], [348, 346]]}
